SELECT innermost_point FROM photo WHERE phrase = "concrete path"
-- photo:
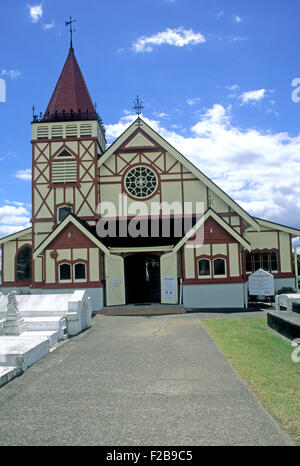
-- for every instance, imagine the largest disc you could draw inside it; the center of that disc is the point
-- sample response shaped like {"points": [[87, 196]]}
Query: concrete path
{"points": [[135, 381]]}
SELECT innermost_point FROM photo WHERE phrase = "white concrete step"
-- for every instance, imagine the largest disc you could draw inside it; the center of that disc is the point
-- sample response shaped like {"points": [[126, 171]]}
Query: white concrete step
{"points": [[22, 352], [56, 323], [8, 373], [53, 336], [43, 312]]}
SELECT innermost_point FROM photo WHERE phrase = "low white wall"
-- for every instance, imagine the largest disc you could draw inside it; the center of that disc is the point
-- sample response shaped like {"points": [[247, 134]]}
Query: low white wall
{"points": [[96, 294], [231, 295]]}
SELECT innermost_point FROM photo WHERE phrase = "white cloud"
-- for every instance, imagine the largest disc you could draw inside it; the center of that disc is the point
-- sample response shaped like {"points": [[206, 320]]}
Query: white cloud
{"points": [[12, 74], [13, 219], [17, 203], [193, 101], [237, 39], [218, 15], [50, 25], [234, 87], [23, 174], [237, 19], [9, 210], [113, 131], [160, 114], [35, 12], [255, 168], [179, 37], [253, 96]]}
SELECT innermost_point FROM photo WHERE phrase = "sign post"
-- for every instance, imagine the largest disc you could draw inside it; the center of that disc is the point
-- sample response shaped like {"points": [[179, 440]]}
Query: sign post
{"points": [[261, 283], [169, 288]]}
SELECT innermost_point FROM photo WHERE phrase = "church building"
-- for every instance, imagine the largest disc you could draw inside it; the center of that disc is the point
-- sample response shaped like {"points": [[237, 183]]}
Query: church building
{"points": [[133, 223]]}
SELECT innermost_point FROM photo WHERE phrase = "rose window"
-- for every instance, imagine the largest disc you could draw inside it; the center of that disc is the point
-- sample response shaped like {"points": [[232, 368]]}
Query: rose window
{"points": [[141, 182]]}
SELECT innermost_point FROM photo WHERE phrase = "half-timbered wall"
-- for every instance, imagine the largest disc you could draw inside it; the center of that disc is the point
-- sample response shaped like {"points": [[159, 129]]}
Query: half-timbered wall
{"points": [[176, 184], [74, 147]]}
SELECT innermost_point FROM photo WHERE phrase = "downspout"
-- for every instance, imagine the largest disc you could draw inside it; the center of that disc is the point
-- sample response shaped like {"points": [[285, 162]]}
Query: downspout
{"points": [[296, 265]]}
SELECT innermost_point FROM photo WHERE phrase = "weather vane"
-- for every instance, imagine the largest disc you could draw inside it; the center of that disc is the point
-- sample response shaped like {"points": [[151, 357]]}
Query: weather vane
{"points": [[70, 23]]}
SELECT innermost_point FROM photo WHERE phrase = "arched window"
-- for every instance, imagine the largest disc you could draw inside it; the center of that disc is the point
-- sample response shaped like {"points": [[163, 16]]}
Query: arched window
{"points": [[219, 267], [204, 267], [24, 264], [65, 272], [63, 212], [79, 271]]}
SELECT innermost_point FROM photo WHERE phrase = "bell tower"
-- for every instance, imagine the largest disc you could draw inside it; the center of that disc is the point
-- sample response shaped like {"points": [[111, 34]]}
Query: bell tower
{"points": [[67, 141]]}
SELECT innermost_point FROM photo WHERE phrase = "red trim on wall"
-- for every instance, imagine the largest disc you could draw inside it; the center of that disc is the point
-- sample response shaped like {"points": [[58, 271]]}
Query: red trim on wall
{"points": [[53, 286], [156, 253], [73, 138], [212, 281], [17, 284]]}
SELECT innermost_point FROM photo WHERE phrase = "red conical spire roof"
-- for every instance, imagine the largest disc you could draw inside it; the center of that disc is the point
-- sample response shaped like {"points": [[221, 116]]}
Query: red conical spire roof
{"points": [[71, 93]]}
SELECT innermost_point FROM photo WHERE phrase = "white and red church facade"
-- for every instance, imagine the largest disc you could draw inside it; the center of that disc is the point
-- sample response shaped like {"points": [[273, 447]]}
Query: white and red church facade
{"points": [[136, 222]]}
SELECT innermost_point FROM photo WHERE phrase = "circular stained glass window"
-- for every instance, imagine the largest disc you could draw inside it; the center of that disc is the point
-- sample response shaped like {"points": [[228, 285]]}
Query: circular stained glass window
{"points": [[141, 182]]}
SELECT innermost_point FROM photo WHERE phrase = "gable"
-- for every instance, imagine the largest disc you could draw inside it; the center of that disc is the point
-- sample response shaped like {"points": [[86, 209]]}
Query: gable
{"points": [[267, 225], [70, 237], [179, 180], [81, 234], [24, 235], [210, 229], [138, 139], [64, 149], [214, 233]]}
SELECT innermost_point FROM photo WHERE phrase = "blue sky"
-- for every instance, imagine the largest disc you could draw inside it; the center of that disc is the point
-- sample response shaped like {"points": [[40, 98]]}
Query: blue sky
{"points": [[215, 78]]}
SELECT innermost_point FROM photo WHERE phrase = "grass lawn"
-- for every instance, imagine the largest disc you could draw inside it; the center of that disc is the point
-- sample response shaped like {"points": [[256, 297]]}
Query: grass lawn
{"points": [[263, 360]]}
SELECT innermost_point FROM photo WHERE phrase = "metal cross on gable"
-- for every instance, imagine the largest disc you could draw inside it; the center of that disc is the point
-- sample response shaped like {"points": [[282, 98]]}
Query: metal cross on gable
{"points": [[138, 106], [70, 23]]}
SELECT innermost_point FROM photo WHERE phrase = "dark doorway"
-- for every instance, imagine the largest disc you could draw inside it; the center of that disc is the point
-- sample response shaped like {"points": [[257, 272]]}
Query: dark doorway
{"points": [[142, 278]]}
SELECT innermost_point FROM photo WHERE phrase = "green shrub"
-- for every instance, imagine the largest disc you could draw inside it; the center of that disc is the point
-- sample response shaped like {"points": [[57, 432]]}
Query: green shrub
{"points": [[286, 289]]}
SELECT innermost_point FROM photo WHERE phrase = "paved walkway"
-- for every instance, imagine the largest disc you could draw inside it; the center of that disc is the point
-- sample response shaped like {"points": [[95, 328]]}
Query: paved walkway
{"points": [[135, 381]]}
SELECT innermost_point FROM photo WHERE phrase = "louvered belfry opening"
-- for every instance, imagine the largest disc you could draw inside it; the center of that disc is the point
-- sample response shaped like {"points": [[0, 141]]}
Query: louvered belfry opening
{"points": [[64, 171]]}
